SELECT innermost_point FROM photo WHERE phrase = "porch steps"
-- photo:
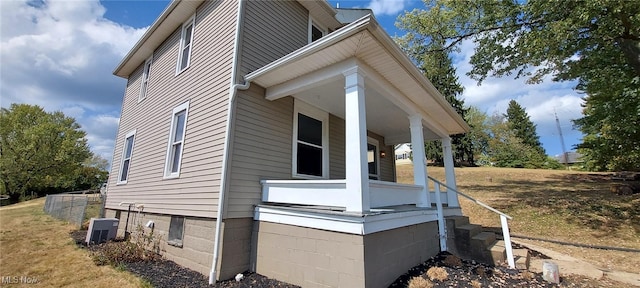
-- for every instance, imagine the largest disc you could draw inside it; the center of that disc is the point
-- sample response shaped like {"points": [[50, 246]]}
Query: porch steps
{"points": [[469, 241]]}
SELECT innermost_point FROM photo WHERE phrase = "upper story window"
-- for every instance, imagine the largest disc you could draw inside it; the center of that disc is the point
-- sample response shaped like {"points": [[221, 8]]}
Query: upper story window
{"points": [[310, 142], [175, 146], [145, 79], [186, 45], [125, 162], [316, 31]]}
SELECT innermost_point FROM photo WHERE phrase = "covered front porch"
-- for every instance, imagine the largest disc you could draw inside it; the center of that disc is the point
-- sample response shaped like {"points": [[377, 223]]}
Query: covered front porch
{"points": [[360, 76]]}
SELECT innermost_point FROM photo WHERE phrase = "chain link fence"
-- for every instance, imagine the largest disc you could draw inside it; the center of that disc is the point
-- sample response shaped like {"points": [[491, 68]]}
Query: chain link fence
{"points": [[70, 207]]}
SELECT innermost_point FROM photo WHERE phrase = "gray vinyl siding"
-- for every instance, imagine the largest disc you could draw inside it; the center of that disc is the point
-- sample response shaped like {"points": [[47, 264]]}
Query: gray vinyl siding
{"points": [[336, 147], [261, 148], [205, 84], [271, 30]]}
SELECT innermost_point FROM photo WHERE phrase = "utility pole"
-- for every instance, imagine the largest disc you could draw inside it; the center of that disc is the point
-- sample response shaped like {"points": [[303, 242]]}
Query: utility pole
{"points": [[564, 150]]}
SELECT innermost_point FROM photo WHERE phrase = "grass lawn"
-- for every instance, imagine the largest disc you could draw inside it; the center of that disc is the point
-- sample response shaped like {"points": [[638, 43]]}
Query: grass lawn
{"points": [[562, 205], [35, 245]]}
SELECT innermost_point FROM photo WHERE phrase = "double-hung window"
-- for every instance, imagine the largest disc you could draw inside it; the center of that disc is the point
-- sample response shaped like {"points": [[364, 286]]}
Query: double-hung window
{"points": [[186, 45], [175, 146], [311, 142], [145, 79], [127, 151]]}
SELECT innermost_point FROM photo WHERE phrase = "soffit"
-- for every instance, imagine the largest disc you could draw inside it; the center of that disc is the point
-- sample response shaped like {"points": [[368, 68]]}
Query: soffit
{"points": [[364, 40]]}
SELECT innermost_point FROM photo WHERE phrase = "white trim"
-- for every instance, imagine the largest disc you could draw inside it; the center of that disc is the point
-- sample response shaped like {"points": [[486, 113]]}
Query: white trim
{"points": [[170, 143], [124, 148], [344, 222], [301, 107], [376, 157], [419, 159], [144, 83], [313, 22], [190, 22]]}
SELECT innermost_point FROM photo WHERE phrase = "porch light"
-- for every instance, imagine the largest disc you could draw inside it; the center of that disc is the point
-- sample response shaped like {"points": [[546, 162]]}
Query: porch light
{"points": [[383, 154]]}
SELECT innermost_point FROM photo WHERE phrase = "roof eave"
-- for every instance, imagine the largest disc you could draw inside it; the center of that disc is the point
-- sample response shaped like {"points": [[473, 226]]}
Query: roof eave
{"points": [[140, 50]]}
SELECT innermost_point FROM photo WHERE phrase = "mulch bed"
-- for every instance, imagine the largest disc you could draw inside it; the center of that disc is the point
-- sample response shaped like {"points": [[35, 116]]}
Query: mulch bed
{"points": [[165, 273], [469, 273]]}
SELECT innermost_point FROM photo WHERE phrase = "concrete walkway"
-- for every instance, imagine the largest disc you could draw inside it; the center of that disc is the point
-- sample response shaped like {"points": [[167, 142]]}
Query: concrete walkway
{"points": [[571, 265]]}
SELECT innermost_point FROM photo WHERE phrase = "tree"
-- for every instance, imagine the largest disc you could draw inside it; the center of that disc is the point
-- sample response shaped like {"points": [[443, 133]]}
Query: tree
{"points": [[518, 121], [38, 150], [479, 134], [594, 42], [506, 149], [438, 68]]}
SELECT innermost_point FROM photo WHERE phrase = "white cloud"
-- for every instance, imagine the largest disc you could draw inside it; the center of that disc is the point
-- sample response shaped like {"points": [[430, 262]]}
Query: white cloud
{"points": [[387, 7], [539, 100], [59, 54]]}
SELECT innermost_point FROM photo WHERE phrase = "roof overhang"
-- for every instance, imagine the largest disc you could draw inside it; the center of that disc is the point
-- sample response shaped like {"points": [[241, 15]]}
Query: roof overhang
{"points": [[172, 17], [365, 44]]}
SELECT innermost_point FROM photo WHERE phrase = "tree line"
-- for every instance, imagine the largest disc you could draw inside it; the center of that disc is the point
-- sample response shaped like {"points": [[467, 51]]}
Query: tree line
{"points": [[596, 43], [45, 153]]}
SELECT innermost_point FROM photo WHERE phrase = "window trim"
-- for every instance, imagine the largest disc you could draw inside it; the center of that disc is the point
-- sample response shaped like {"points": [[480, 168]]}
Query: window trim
{"points": [[301, 107], [176, 242], [144, 85], [170, 144], [190, 22], [315, 23], [132, 135], [376, 156]]}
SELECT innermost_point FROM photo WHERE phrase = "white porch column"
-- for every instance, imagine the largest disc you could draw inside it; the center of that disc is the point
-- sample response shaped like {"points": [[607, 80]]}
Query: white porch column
{"points": [[419, 160], [450, 176], [357, 173]]}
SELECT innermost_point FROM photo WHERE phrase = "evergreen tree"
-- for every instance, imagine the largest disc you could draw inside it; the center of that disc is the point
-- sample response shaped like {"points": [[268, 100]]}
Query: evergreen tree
{"points": [[518, 121], [438, 68]]}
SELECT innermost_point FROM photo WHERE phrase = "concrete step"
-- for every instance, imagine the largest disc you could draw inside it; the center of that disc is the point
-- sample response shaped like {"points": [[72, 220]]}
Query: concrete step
{"points": [[484, 238], [458, 220], [497, 253], [467, 231], [522, 258]]}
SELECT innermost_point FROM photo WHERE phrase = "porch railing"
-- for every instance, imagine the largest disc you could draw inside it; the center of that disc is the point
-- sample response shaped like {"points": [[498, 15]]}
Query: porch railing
{"points": [[442, 225]]}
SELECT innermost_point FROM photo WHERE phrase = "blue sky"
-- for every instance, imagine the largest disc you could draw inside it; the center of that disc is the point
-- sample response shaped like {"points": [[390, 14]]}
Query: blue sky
{"points": [[60, 54]]}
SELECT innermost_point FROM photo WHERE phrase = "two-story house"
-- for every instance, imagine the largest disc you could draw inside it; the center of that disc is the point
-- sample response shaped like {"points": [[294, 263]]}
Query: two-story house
{"points": [[259, 135]]}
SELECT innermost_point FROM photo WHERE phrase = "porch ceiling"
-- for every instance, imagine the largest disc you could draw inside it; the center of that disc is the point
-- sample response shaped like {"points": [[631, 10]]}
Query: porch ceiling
{"points": [[394, 87]]}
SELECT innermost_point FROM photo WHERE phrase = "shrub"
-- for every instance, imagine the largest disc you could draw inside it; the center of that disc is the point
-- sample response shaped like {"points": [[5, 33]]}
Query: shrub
{"points": [[453, 261], [142, 247], [420, 282], [437, 273]]}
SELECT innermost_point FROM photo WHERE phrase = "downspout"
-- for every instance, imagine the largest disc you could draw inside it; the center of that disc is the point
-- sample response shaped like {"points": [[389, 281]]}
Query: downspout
{"points": [[227, 145]]}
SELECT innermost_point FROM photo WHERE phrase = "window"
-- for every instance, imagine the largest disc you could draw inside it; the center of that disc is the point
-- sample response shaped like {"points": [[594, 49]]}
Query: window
{"points": [[176, 231], [186, 43], [315, 31], [176, 141], [373, 158], [145, 79], [311, 142], [125, 163]]}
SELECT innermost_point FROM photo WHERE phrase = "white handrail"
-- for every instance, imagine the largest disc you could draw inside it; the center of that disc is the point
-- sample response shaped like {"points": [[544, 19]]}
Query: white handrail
{"points": [[503, 219]]}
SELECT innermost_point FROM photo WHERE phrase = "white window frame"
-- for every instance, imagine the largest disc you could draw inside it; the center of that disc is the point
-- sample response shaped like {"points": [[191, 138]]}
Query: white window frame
{"points": [[315, 23], [144, 85], [301, 107], [191, 22], [170, 143], [376, 156], [131, 135]]}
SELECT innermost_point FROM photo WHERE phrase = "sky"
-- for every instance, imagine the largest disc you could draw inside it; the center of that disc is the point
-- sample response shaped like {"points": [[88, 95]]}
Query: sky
{"points": [[60, 54]]}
